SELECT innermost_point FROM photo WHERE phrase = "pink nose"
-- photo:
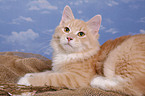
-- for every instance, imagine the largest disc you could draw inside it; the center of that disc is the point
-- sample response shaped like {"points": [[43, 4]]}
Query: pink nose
{"points": [[69, 38]]}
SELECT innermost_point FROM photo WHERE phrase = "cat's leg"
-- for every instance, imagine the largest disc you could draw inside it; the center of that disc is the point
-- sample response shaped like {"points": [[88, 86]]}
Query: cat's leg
{"points": [[25, 81], [110, 79], [106, 83], [69, 80]]}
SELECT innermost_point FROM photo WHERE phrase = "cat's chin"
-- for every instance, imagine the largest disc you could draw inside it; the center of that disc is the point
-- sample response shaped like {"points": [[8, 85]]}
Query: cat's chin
{"points": [[68, 48], [68, 45]]}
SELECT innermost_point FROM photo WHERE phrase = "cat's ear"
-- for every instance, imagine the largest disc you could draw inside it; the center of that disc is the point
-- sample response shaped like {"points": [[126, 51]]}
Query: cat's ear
{"points": [[67, 15], [94, 24]]}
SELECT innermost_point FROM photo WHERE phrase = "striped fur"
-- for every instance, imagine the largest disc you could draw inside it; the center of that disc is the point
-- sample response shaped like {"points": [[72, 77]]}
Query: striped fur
{"points": [[122, 67], [119, 63]]}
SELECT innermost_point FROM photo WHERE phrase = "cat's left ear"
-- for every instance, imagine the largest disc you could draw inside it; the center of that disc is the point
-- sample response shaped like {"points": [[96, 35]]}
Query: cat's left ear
{"points": [[94, 24], [67, 15]]}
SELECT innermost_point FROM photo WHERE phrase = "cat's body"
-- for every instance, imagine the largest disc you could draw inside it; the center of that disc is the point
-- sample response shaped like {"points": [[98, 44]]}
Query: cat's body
{"points": [[77, 57], [121, 65]]}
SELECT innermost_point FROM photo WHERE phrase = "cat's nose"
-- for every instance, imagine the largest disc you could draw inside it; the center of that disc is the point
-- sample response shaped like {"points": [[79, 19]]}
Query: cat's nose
{"points": [[69, 38]]}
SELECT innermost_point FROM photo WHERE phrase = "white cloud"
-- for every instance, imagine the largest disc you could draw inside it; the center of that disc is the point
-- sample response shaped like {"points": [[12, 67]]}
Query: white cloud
{"points": [[112, 3], [128, 1], [102, 27], [142, 31], [48, 31], [24, 41], [78, 2], [80, 12], [109, 21], [112, 30], [28, 19], [108, 30], [48, 50], [45, 12], [132, 3], [21, 19], [142, 19], [51, 30], [41, 4], [22, 37]]}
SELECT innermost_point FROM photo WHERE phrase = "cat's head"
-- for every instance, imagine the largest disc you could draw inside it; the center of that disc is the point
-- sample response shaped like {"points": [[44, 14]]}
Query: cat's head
{"points": [[73, 35]]}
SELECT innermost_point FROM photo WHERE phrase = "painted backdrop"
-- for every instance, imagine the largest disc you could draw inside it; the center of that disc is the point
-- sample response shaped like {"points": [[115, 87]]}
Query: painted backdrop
{"points": [[27, 25]]}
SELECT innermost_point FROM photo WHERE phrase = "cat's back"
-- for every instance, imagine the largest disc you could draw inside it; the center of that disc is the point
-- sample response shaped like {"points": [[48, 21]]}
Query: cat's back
{"points": [[130, 52], [139, 40], [123, 47], [134, 44], [124, 43]]}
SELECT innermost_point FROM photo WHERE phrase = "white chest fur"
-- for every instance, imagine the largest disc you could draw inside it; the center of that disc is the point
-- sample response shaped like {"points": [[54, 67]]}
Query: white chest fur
{"points": [[62, 59]]}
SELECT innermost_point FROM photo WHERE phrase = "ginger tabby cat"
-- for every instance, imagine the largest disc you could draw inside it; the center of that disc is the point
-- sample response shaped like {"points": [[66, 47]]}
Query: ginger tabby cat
{"points": [[79, 61]]}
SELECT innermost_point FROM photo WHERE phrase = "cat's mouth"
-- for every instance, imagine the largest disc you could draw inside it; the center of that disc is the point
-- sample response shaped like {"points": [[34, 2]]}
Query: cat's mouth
{"points": [[68, 44]]}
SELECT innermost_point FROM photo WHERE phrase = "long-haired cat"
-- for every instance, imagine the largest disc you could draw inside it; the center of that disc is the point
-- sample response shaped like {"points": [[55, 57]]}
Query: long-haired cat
{"points": [[77, 57], [74, 43]]}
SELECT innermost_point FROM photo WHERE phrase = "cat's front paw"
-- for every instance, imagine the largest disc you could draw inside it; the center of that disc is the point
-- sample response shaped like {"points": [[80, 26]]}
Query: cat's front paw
{"points": [[25, 80]]}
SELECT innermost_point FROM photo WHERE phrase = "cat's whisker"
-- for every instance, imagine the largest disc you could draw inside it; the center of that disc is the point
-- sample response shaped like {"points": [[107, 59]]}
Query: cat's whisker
{"points": [[44, 47], [44, 43], [47, 39], [48, 33]]}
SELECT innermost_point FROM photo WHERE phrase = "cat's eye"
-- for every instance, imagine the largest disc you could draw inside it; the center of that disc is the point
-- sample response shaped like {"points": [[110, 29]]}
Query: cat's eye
{"points": [[81, 34], [66, 29]]}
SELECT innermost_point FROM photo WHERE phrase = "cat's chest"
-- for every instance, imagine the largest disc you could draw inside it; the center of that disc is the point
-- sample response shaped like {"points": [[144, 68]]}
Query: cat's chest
{"points": [[72, 62], [60, 61]]}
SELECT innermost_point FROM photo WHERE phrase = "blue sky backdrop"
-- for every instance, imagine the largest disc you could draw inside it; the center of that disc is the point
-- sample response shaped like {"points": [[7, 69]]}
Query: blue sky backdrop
{"points": [[27, 25]]}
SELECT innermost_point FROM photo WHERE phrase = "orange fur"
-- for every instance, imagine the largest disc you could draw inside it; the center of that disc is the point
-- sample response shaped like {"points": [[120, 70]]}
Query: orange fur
{"points": [[104, 51], [119, 63], [122, 59]]}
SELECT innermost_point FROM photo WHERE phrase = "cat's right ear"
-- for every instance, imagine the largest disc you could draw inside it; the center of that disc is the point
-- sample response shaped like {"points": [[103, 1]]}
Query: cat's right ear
{"points": [[67, 15], [94, 24]]}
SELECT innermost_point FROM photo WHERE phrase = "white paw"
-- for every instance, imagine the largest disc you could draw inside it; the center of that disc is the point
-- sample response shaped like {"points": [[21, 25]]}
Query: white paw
{"points": [[24, 80], [103, 83]]}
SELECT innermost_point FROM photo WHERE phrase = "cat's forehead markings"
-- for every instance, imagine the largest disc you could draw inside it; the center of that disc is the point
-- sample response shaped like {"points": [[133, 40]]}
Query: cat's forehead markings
{"points": [[77, 24]]}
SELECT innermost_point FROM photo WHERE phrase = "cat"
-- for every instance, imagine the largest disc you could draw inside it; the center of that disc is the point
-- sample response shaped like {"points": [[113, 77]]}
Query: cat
{"points": [[74, 44], [80, 61]]}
